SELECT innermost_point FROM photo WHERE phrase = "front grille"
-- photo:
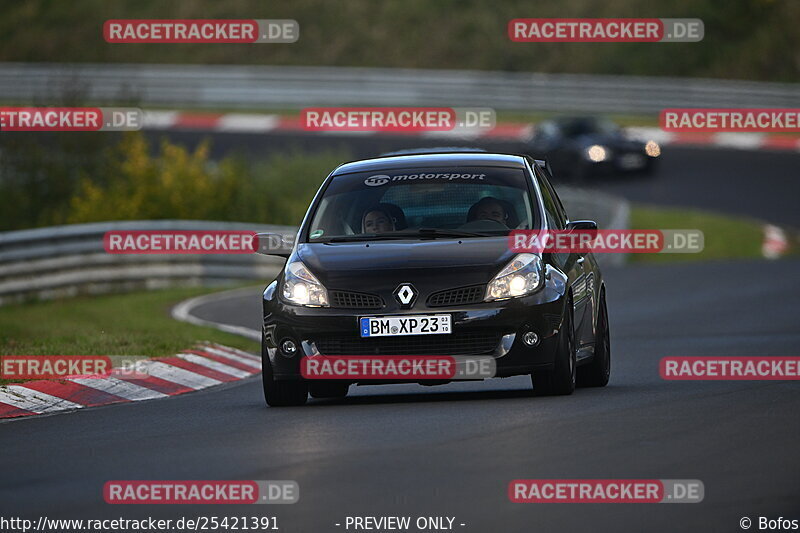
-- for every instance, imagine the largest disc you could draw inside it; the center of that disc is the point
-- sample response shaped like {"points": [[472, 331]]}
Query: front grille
{"points": [[460, 296], [452, 344], [355, 300]]}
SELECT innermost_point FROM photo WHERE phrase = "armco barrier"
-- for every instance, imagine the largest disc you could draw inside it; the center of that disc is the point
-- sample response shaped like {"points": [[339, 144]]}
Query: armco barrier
{"points": [[254, 87], [60, 261]]}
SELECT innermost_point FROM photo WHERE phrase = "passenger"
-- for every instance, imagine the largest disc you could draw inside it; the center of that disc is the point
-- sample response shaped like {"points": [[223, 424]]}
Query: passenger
{"points": [[377, 219]]}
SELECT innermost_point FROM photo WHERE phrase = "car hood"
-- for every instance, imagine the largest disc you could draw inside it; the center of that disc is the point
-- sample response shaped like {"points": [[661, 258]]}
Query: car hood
{"points": [[429, 264]]}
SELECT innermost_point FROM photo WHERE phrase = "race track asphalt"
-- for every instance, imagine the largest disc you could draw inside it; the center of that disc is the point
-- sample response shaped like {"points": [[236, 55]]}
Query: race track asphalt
{"points": [[452, 450]]}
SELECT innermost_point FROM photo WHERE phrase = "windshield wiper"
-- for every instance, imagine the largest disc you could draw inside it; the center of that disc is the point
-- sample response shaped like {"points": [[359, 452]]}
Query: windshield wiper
{"points": [[355, 238], [421, 232], [435, 232]]}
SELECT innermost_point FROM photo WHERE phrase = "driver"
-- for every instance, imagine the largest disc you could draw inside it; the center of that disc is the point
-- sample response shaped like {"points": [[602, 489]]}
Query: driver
{"points": [[377, 220], [488, 208]]}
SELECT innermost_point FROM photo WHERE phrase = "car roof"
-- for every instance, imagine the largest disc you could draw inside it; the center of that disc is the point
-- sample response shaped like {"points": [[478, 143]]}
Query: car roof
{"points": [[473, 159]]}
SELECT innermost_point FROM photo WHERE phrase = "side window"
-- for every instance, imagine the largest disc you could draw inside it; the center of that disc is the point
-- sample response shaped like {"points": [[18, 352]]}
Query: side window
{"points": [[556, 218], [557, 201], [552, 205]]}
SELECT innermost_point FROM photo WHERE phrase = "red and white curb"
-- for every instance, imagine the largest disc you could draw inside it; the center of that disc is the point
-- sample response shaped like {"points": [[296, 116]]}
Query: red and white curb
{"points": [[271, 123], [775, 242], [204, 366], [741, 141]]}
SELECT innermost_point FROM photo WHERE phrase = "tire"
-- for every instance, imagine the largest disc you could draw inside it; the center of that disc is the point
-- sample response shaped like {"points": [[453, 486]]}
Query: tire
{"points": [[559, 380], [281, 393], [330, 389], [597, 372]]}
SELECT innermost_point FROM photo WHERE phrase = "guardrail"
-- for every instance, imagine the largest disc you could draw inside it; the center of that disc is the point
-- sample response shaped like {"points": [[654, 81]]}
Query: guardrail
{"points": [[62, 261], [253, 87]]}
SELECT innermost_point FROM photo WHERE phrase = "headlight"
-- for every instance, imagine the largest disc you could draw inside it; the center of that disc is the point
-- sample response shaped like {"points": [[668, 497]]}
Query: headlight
{"points": [[301, 287], [597, 153], [522, 276], [652, 149]]}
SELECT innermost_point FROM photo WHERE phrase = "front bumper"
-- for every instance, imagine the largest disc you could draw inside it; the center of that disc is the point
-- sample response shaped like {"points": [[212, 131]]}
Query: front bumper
{"points": [[621, 163], [493, 329]]}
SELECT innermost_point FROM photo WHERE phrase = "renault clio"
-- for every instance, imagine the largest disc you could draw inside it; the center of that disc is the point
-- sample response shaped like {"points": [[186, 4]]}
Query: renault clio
{"points": [[408, 256]]}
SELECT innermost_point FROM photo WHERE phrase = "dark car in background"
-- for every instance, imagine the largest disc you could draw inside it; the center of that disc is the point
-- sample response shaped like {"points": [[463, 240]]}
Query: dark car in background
{"points": [[424, 238], [586, 147]]}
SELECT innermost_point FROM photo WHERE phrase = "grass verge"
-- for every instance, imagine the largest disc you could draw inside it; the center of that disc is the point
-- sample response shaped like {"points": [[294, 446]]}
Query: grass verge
{"points": [[726, 237], [119, 324]]}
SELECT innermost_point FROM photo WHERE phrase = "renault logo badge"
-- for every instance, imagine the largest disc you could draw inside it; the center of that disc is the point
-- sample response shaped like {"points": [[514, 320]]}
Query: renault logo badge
{"points": [[405, 295]]}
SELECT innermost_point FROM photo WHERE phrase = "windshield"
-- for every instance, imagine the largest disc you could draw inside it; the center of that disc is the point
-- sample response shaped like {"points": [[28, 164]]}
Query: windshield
{"points": [[445, 202], [588, 126]]}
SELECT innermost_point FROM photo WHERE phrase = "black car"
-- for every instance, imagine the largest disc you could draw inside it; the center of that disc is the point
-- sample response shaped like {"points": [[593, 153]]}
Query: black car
{"points": [[427, 234], [583, 147]]}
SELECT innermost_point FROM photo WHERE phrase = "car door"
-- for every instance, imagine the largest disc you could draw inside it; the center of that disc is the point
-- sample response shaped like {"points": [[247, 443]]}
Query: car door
{"points": [[575, 266]]}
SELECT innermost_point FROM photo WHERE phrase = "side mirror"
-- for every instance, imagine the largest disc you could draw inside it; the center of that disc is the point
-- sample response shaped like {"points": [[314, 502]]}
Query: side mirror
{"points": [[275, 244], [582, 225]]}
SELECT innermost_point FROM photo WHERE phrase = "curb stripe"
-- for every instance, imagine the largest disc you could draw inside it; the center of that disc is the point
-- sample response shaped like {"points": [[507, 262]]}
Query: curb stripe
{"points": [[74, 392], [9, 411], [118, 387], [34, 401], [213, 364], [204, 366], [180, 376], [782, 142], [239, 122], [164, 386], [197, 120], [244, 360], [248, 355], [227, 362], [179, 362]]}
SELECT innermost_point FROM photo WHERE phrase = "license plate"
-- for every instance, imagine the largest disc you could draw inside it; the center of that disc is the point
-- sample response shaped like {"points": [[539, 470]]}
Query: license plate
{"points": [[390, 326], [629, 161]]}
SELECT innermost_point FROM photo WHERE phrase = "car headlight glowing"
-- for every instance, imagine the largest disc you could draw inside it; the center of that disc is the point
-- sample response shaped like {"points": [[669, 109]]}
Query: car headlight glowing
{"points": [[301, 287], [520, 277], [597, 153], [652, 149]]}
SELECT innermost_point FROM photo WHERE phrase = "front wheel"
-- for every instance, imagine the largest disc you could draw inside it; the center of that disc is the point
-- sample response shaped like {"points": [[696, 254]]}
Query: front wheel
{"points": [[597, 373], [281, 393], [559, 380]]}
